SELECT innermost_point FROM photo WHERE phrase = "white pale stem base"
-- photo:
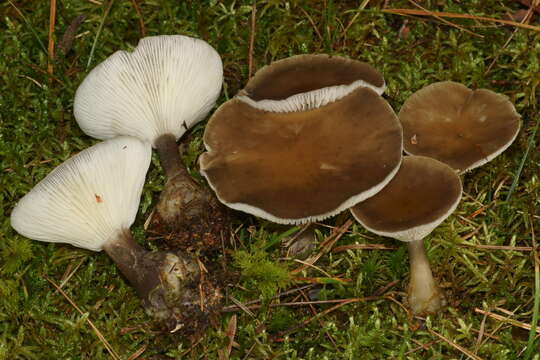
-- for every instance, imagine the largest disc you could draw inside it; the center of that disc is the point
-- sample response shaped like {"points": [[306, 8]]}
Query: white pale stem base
{"points": [[424, 295]]}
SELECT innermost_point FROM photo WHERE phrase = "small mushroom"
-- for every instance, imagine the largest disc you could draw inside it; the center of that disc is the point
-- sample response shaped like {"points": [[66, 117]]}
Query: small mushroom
{"points": [[155, 93], [301, 166], [422, 195], [461, 127], [305, 82], [90, 201]]}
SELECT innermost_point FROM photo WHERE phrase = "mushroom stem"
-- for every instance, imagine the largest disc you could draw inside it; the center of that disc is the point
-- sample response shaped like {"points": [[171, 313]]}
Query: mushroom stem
{"points": [[424, 295], [127, 254], [170, 285], [188, 215], [169, 156]]}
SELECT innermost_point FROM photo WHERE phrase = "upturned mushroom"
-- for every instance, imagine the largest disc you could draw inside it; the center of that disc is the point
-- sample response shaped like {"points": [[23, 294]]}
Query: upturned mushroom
{"points": [[155, 93], [306, 82], [301, 166], [90, 201], [422, 195], [461, 127]]}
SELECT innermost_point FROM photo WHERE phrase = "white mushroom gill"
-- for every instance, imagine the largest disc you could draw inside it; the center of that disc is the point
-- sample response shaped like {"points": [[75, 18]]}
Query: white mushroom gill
{"points": [[310, 100], [165, 86], [88, 199]]}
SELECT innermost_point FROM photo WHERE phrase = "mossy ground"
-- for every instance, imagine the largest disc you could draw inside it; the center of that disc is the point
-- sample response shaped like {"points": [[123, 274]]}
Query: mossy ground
{"points": [[38, 132]]}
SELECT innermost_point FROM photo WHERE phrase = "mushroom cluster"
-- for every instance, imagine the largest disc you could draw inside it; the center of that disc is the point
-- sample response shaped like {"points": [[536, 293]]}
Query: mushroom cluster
{"points": [[310, 136], [307, 138], [90, 201], [136, 101], [156, 93]]}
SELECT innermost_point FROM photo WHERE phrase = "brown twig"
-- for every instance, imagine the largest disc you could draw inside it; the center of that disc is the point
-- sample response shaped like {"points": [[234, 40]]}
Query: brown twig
{"points": [[459, 16], [107, 345], [422, 346], [455, 346], [50, 50], [498, 247], [446, 21], [486, 335], [139, 15], [70, 272], [246, 308], [231, 332], [362, 247], [137, 353], [252, 31], [326, 245], [242, 306], [480, 334], [507, 320]]}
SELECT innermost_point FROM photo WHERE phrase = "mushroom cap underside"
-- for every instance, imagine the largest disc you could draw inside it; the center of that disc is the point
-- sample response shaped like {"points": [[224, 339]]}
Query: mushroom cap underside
{"points": [[165, 86], [458, 126], [423, 194], [305, 82], [301, 166], [90, 198], [303, 73]]}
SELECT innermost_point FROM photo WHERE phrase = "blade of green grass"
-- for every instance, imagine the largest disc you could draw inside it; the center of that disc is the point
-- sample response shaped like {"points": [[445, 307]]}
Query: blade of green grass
{"points": [[532, 333], [34, 32], [530, 144], [98, 33]]}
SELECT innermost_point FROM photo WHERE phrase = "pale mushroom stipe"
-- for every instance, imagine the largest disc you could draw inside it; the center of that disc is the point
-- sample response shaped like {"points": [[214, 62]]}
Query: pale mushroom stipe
{"points": [[421, 196], [461, 127], [90, 201], [157, 92]]}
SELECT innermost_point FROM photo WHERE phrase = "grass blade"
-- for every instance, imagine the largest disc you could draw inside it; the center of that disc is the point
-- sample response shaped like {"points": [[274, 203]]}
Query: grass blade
{"points": [[532, 333], [29, 26], [523, 159], [98, 33]]}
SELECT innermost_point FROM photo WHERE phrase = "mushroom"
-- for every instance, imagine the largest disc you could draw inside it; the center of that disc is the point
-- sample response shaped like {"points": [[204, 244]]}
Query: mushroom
{"points": [[301, 166], [90, 201], [157, 92], [422, 195], [461, 127], [305, 82]]}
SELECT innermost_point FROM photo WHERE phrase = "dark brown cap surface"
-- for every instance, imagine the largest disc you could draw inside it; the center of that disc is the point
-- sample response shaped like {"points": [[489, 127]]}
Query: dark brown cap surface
{"points": [[303, 73], [458, 126], [300, 166], [423, 193]]}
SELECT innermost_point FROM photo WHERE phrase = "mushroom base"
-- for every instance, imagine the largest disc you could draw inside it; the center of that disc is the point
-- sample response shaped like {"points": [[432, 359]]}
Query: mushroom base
{"points": [[424, 296], [188, 215], [172, 286]]}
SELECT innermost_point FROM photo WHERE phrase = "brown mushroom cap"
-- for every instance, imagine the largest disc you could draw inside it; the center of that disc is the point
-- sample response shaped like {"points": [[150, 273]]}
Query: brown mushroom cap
{"points": [[304, 82], [423, 194], [458, 126], [301, 166]]}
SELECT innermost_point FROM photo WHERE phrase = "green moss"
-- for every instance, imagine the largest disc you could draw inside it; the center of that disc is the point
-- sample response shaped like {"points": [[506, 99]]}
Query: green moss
{"points": [[38, 132], [261, 273]]}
